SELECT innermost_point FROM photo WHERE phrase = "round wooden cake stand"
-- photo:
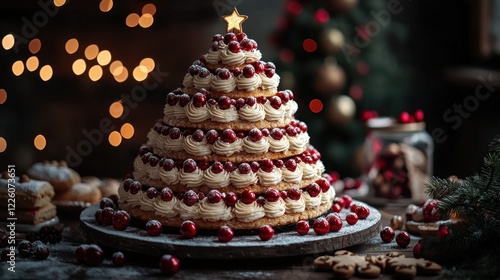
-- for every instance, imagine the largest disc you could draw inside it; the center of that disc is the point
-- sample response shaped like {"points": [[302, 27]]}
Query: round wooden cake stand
{"points": [[283, 244]]}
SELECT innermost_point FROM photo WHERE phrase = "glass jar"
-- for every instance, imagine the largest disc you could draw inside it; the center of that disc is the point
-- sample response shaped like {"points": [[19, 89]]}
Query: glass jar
{"points": [[398, 159]]}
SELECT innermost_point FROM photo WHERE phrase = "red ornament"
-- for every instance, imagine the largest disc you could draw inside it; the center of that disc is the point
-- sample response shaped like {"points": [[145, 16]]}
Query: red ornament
{"points": [[294, 7], [351, 218], [403, 239], [302, 227], [387, 234], [321, 16], [169, 264], [321, 226], [266, 232], [443, 232]]}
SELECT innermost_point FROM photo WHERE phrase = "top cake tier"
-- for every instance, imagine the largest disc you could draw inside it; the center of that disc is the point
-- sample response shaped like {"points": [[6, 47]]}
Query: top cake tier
{"points": [[232, 67]]}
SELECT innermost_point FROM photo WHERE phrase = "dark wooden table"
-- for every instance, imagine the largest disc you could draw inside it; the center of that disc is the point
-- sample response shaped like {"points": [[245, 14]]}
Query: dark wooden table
{"points": [[62, 264]]}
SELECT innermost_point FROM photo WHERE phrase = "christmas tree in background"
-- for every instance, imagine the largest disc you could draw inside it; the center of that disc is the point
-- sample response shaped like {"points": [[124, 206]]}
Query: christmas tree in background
{"points": [[335, 56]]}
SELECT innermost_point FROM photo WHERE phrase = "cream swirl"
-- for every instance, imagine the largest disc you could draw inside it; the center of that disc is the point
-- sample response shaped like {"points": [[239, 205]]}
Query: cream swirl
{"points": [[219, 115], [213, 57], [328, 196], [160, 141], [320, 167], [215, 211], [292, 176], [223, 148], [204, 82], [187, 81], [173, 144], [310, 201], [309, 170], [248, 84], [230, 58], [269, 179], [193, 179], [274, 114], [123, 195], [291, 108], [153, 171], [187, 212], [228, 85], [253, 113], [252, 56], [196, 148], [214, 180], [258, 147], [267, 82], [299, 141], [140, 167], [295, 206], [275, 209], [197, 114], [278, 146], [179, 112], [168, 113], [165, 208], [135, 199], [152, 137], [169, 177], [147, 204], [242, 180], [248, 212]]}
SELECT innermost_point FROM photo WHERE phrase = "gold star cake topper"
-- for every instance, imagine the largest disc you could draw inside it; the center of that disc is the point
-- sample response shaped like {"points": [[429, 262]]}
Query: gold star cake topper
{"points": [[234, 21]]}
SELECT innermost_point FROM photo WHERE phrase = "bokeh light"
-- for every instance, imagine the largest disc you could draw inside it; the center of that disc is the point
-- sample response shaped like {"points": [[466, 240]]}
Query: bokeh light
{"points": [[8, 41], [116, 68], [149, 9], [18, 68], [149, 63], [91, 51], [309, 45], [71, 46], [3, 144], [46, 73], [32, 63], [316, 105], [116, 109], [35, 45], [59, 3], [140, 73], [79, 66], [3, 96], [123, 74], [146, 20], [40, 142], [106, 5], [127, 130], [132, 20], [95, 73], [115, 138]]}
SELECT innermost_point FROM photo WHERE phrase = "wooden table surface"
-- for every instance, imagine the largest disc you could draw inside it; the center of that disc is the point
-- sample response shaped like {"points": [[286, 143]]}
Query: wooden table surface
{"points": [[62, 264]]}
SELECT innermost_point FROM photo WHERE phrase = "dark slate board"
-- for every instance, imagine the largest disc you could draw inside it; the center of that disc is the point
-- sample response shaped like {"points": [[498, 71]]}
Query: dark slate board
{"points": [[283, 244]]}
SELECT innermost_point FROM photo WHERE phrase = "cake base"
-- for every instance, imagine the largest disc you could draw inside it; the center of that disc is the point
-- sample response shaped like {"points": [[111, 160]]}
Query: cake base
{"points": [[283, 244]]}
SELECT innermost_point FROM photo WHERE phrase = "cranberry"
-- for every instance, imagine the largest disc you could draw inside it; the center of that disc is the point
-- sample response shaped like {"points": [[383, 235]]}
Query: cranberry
{"points": [[261, 99], [347, 201], [284, 96], [118, 259], [94, 255], [230, 199], [240, 102], [198, 135], [351, 218], [387, 234], [270, 65], [154, 228], [189, 166], [201, 195], [246, 44], [313, 189], [417, 249], [212, 136], [215, 46], [291, 165], [442, 232], [127, 183], [188, 229], [151, 193], [166, 194], [323, 184], [217, 167], [203, 165], [254, 44], [211, 102], [168, 164], [255, 134], [336, 208], [236, 71], [121, 220], [276, 133], [302, 227], [228, 136], [194, 69], [145, 157], [234, 47], [354, 207], [283, 194], [247, 197], [363, 212], [267, 165], [321, 226], [214, 196], [335, 222], [278, 163], [418, 115], [229, 166], [294, 193], [272, 195], [199, 99], [184, 99], [266, 232], [340, 201], [153, 161], [203, 73], [107, 216], [404, 117], [261, 201], [259, 66], [244, 168], [240, 36], [255, 166], [40, 250], [290, 130], [25, 249], [251, 101], [174, 133], [290, 94], [308, 160], [269, 73], [80, 253], [275, 102], [98, 216], [225, 234], [230, 37], [217, 37], [190, 198], [248, 71], [224, 74], [169, 265], [106, 202], [430, 210], [403, 239], [303, 126]]}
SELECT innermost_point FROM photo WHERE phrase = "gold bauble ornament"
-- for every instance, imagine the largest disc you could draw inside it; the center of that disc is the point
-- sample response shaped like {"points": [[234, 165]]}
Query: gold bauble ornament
{"points": [[340, 6], [331, 40], [396, 222], [341, 109], [330, 78]]}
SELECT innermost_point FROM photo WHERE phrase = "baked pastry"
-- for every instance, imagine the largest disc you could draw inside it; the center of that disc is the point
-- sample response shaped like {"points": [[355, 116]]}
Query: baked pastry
{"points": [[82, 193], [228, 150], [58, 174], [33, 216]]}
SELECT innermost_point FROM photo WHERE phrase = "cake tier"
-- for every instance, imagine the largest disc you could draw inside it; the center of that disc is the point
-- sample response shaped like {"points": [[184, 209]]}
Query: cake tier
{"points": [[180, 175], [244, 211]]}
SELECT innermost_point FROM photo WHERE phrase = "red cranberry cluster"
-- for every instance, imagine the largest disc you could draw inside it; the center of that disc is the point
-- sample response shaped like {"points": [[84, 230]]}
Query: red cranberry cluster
{"points": [[403, 117], [387, 234], [108, 215], [248, 71], [224, 102], [26, 249], [234, 42]]}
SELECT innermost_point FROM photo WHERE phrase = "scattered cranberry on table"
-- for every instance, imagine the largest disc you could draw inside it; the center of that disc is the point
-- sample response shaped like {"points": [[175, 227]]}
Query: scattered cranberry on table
{"points": [[387, 234], [336, 208], [416, 250], [321, 226], [94, 255], [266, 232], [154, 228], [188, 229], [403, 239], [363, 212], [302, 227], [351, 218], [25, 249], [335, 222], [169, 264], [225, 234], [40, 250], [107, 216], [80, 253], [118, 259]]}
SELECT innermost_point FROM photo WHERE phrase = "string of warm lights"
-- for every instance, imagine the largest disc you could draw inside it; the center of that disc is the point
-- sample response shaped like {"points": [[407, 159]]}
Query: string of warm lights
{"points": [[92, 60]]}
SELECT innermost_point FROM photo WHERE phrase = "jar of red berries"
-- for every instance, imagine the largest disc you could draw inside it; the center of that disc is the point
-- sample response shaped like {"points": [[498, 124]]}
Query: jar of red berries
{"points": [[398, 156]]}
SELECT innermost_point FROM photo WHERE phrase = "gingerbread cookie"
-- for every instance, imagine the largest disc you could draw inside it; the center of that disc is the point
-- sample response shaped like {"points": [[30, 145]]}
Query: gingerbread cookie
{"points": [[58, 174], [346, 264], [324, 263], [29, 193], [80, 194], [408, 268]]}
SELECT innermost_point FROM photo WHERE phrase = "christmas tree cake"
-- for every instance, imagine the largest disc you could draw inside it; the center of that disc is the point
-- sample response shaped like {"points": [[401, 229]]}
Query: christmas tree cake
{"points": [[228, 150]]}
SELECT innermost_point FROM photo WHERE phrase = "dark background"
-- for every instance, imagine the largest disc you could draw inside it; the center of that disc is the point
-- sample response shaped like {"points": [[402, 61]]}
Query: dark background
{"points": [[443, 55]]}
